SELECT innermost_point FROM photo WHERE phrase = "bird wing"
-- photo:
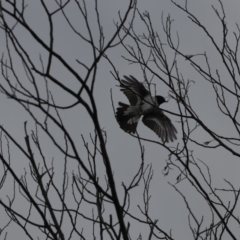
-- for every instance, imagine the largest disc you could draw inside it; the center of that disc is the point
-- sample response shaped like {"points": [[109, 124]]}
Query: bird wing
{"points": [[160, 124], [133, 89]]}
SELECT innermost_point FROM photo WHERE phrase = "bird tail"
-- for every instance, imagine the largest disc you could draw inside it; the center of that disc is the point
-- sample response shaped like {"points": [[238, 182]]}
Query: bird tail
{"points": [[126, 118]]}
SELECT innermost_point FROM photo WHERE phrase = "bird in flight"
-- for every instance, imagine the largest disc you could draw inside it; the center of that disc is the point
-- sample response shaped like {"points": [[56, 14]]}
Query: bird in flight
{"points": [[143, 104]]}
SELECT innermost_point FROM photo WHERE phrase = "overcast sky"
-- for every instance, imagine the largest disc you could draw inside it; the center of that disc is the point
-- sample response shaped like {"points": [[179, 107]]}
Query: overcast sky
{"points": [[166, 204]]}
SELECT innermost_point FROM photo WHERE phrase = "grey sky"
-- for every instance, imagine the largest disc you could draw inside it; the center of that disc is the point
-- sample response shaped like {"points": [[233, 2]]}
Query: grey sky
{"points": [[166, 204]]}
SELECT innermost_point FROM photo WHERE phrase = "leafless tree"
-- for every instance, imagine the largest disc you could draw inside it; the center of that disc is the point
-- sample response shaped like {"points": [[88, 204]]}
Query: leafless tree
{"points": [[84, 197]]}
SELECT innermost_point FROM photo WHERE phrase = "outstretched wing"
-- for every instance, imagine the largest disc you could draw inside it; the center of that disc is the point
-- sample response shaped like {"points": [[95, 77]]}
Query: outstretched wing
{"points": [[133, 89], [161, 125]]}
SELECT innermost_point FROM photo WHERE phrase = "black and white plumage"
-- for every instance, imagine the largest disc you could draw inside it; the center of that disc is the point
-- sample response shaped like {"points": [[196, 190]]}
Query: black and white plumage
{"points": [[143, 104]]}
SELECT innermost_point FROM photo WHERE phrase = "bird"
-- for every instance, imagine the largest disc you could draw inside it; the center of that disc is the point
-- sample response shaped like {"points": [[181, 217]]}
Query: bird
{"points": [[142, 103]]}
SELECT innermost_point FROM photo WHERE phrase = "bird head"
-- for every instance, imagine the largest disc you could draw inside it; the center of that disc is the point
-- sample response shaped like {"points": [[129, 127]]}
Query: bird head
{"points": [[160, 100]]}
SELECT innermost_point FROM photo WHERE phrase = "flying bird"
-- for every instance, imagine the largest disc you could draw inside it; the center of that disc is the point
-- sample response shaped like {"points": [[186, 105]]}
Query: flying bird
{"points": [[143, 104]]}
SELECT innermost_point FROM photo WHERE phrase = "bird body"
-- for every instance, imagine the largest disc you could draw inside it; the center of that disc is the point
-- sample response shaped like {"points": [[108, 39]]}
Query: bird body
{"points": [[143, 104]]}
